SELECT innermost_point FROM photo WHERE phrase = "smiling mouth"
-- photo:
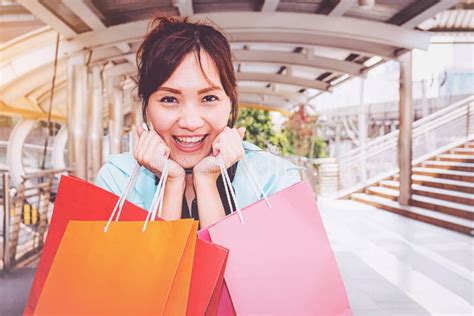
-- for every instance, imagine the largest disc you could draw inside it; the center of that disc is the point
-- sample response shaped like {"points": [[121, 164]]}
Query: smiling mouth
{"points": [[193, 142]]}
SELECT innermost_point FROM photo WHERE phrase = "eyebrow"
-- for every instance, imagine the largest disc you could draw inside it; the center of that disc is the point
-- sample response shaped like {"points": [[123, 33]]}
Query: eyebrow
{"points": [[177, 91]]}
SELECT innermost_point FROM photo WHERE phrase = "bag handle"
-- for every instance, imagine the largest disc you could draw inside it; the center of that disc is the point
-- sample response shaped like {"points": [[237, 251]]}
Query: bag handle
{"points": [[251, 176], [228, 187], [124, 196], [157, 202]]}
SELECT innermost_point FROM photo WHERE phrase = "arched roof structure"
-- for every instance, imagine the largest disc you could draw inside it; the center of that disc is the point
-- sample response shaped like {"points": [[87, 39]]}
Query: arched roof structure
{"points": [[285, 52]]}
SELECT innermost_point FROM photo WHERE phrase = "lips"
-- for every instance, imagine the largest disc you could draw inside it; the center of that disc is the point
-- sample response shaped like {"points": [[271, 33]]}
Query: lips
{"points": [[189, 143]]}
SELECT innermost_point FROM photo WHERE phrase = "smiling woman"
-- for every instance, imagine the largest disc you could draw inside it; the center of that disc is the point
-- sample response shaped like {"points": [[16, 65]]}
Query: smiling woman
{"points": [[189, 99]]}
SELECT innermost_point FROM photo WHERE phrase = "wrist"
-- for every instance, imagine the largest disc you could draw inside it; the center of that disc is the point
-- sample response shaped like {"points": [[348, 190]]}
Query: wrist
{"points": [[177, 184], [205, 179]]}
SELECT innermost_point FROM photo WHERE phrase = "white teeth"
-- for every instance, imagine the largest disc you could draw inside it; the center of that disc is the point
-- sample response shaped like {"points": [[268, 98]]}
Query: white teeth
{"points": [[190, 139]]}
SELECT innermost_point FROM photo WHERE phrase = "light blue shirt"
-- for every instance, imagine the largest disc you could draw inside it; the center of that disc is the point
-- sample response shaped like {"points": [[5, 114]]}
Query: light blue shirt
{"points": [[272, 173]]}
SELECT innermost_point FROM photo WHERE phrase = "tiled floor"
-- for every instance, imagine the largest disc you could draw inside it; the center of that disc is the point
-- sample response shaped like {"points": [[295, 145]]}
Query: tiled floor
{"points": [[392, 265]]}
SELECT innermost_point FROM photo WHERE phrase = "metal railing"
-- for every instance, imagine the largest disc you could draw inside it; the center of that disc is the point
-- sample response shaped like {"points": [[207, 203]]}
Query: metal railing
{"points": [[432, 135], [25, 213]]}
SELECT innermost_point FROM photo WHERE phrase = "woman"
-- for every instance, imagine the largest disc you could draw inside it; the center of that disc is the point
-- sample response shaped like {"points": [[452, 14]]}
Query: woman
{"points": [[189, 101]]}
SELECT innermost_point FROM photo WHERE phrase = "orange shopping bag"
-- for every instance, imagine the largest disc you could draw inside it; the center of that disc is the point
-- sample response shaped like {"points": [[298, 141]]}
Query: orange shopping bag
{"points": [[122, 271]]}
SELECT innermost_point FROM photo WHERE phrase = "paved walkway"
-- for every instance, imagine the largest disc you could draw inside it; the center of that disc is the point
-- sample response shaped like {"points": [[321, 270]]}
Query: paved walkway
{"points": [[14, 290], [391, 265]]}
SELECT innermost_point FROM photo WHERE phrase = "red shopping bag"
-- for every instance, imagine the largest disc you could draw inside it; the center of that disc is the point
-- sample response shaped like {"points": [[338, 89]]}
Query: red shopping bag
{"points": [[280, 259], [80, 200], [222, 305]]}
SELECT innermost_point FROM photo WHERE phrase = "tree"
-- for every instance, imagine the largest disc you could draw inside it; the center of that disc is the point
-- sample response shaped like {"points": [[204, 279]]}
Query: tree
{"points": [[301, 130], [297, 137]]}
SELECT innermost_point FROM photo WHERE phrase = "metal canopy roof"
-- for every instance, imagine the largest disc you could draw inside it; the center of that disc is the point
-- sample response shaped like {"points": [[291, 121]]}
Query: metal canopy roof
{"points": [[285, 52]]}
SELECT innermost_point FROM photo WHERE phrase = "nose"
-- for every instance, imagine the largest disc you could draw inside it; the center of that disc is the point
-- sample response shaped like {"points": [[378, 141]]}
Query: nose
{"points": [[191, 117]]}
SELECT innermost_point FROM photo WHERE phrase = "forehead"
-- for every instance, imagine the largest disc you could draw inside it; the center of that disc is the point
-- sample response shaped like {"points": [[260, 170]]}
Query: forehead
{"points": [[190, 75]]}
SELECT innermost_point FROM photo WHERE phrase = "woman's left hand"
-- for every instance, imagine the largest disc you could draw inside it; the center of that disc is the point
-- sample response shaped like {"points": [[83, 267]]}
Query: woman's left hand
{"points": [[228, 144]]}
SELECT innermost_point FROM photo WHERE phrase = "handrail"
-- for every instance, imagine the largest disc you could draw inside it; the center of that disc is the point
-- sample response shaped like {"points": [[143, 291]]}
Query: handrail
{"points": [[419, 123], [23, 240], [450, 125]]}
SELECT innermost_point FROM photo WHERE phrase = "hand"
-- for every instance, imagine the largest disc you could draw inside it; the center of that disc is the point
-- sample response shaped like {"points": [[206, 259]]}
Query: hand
{"points": [[229, 145], [151, 153]]}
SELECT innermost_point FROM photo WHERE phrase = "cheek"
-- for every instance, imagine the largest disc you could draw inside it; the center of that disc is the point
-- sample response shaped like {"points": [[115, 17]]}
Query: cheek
{"points": [[218, 118], [161, 120]]}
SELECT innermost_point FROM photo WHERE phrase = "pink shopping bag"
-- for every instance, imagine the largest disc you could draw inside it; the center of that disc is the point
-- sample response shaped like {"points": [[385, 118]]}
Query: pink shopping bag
{"points": [[280, 260]]}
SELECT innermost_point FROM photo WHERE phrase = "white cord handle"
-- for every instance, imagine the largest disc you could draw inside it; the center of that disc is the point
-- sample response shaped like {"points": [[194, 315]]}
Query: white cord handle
{"points": [[157, 202], [228, 187], [124, 196], [254, 182]]}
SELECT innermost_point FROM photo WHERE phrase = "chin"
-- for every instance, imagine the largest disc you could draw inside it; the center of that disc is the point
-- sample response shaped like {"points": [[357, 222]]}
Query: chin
{"points": [[186, 161]]}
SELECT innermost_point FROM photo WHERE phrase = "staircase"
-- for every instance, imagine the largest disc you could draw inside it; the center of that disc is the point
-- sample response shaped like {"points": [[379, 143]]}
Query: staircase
{"points": [[442, 191]]}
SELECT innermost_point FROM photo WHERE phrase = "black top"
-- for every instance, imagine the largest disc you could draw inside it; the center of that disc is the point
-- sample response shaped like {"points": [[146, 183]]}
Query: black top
{"points": [[220, 187]]}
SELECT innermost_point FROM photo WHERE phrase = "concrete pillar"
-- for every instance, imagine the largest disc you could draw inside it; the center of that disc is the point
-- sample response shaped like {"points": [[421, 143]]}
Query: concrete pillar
{"points": [[131, 107], [406, 122], [117, 116], [59, 146], [70, 114], [362, 127], [338, 139], [80, 120], [96, 129], [381, 126]]}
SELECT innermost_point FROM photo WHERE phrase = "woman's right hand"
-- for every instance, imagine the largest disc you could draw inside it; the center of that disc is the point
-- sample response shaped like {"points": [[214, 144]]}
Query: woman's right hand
{"points": [[151, 152]]}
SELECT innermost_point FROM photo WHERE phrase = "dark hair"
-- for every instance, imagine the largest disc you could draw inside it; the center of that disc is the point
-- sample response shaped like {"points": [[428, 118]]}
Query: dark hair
{"points": [[168, 41]]}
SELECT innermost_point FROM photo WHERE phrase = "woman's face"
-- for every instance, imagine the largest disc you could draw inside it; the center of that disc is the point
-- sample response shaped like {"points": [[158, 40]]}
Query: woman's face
{"points": [[188, 111]]}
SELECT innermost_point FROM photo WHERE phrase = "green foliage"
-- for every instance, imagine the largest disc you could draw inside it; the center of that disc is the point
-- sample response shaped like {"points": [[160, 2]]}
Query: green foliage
{"points": [[296, 138]]}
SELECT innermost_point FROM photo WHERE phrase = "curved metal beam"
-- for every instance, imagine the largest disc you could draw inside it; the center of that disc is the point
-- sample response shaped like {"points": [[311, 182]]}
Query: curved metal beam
{"points": [[59, 146], [300, 82], [297, 97], [15, 149], [50, 18], [373, 38], [297, 59]]}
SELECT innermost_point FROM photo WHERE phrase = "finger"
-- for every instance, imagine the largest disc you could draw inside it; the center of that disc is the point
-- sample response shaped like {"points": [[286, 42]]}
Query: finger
{"points": [[148, 139], [148, 136], [140, 131], [139, 146], [216, 149], [154, 155], [241, 131]]}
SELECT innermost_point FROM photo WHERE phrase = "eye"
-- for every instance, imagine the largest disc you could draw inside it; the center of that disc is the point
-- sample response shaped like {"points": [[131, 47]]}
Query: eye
{"points": [[210, 98], [168, 99]]}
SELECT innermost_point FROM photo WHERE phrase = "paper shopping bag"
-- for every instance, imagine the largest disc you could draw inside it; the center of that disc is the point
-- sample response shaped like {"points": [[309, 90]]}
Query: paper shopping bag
{"points": [[122, 271], [280, 260], [206, 285], [222, 303], [80, 200]]}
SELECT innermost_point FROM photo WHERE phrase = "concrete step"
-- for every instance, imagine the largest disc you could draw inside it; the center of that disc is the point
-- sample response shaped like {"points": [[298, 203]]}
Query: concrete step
{"points": [[450, 165], [458, 158], [425, 215], [443, 206], [463, 151], [447, 184], [387, 193], [445, 174], [448, 195], [390, 184]]}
